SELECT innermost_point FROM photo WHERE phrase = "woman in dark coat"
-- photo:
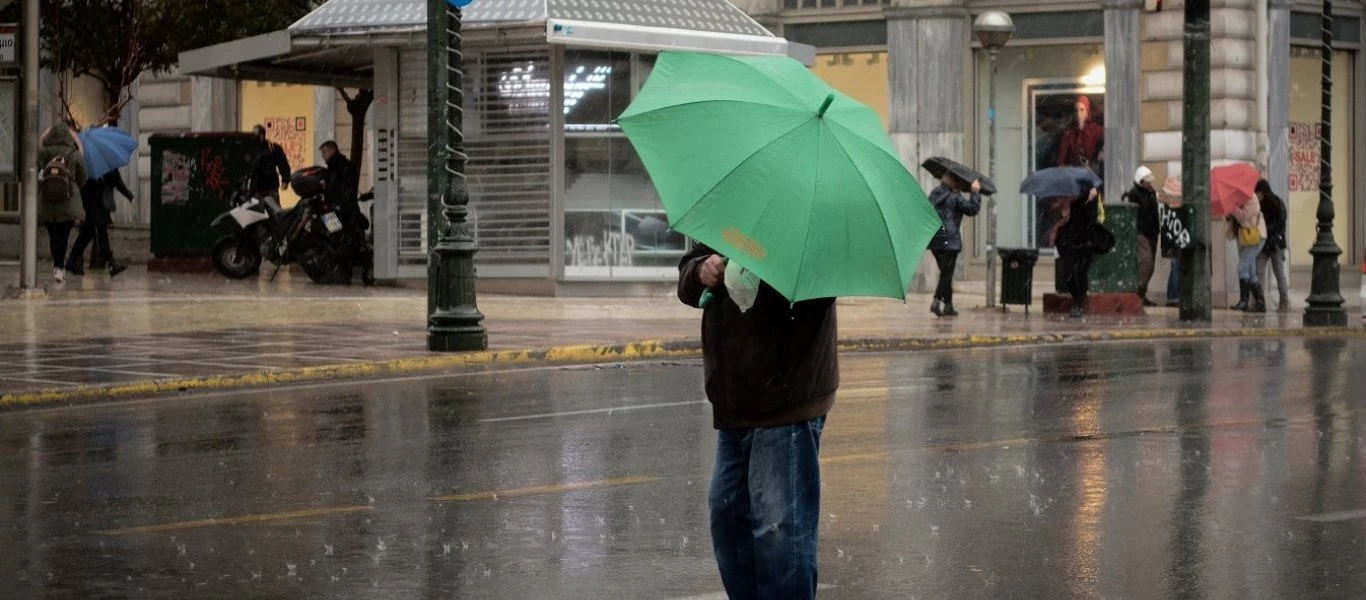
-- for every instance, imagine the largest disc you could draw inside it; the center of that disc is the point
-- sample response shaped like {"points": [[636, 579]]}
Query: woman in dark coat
{"points": [[97, 196], [1079, 239], [948, 201], [1274, 211]]}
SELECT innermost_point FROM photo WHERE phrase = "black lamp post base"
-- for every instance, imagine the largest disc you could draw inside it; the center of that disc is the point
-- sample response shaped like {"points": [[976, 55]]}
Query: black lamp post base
{"points": [[456, 339], [1325, 297]]}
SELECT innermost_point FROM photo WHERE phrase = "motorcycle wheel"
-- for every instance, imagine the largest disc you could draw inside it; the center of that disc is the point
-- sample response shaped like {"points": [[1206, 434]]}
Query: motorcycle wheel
{"points": [[323, 264], [236, 257]]}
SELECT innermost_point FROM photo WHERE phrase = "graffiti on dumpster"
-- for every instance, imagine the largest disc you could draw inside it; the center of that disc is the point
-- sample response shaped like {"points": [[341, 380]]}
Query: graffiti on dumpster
{"points": [[213, 172], [176, 169]]}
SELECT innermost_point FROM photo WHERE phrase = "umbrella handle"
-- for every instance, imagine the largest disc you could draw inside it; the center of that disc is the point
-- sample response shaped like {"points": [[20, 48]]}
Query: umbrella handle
{"points": [[705, 299]]}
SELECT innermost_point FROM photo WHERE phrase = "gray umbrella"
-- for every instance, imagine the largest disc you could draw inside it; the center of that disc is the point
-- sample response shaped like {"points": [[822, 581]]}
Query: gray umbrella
{"points": [[1060, 182], [938, 166]]}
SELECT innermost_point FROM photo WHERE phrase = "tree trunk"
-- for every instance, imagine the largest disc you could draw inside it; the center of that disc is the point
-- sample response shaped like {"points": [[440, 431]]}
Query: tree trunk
{"points": [[357, 107]]}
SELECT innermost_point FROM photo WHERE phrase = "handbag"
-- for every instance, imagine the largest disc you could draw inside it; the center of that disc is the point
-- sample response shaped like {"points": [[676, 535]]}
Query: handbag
{"points": [[1250, 236]]}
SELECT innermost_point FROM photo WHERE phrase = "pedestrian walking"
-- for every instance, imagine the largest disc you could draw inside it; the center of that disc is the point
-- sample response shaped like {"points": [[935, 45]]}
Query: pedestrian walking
{"points": [[1079, 239], [1248, 228], [772, 370], [946, 245], [62, 165], [1144, 196], [269, 168], [1175, 237], [1275, 213], [97, 197]]}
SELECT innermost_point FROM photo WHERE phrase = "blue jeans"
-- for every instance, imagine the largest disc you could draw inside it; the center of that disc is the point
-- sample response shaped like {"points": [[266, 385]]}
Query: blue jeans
{"points": [[1174, 281], [765, 510], [1247, 263]]}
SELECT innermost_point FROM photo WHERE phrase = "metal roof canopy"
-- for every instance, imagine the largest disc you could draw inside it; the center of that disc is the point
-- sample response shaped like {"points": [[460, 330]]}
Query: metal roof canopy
{"points": [[332, 45]]}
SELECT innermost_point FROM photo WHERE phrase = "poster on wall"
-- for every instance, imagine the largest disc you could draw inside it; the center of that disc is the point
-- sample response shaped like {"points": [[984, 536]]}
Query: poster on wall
{"points": [[1066, 128], [1304, 156]]}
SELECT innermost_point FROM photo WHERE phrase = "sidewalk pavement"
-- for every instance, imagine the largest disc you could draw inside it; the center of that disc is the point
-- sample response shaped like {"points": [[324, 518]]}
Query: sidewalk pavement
{"points": [[95, 336]]}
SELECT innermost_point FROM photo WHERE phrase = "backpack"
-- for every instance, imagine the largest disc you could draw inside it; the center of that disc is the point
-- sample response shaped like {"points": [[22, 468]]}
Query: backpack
{"points": [[56, 184]]}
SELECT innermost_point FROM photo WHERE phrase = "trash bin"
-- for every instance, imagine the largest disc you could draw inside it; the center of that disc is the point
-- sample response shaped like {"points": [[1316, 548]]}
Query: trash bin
{"points": [[1017, 276], [193, 178]]}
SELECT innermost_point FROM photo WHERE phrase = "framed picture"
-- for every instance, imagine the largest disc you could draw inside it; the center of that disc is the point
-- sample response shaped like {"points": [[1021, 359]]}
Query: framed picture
{"points": [[1066, 126]]}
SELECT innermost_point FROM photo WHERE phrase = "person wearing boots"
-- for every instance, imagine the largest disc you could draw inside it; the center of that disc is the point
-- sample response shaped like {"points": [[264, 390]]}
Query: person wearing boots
{"points": [[948, 201], [97, 197], [1247, 226], [1274, 211]]}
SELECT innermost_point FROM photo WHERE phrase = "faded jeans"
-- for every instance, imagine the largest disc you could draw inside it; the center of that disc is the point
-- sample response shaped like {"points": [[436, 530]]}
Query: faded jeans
{"points": [[765, 510], [1247, 263], [1277, 260], [1174, 281]]}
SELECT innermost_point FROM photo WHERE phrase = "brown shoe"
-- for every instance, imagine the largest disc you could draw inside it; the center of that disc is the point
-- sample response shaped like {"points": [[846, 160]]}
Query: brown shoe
{"points": [[1284, 306]]}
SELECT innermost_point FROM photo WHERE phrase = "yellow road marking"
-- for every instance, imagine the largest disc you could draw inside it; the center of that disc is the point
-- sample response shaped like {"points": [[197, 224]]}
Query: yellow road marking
{"points": [[279, 516], [545, 489], [650, 350], [320, 512]]}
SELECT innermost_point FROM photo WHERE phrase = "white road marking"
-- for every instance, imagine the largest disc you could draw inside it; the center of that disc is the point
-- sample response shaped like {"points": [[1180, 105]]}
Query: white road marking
{"points": [[592, 411], [722, 595], [1342, 515]]}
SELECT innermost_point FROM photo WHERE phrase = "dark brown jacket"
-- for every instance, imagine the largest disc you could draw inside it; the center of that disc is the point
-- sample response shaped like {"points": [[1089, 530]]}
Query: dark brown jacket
{"points": [[774, 365]]}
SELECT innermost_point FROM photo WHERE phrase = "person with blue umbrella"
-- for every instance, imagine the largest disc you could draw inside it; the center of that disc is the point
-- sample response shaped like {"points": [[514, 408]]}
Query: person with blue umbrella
{"points": [[107, 149]]}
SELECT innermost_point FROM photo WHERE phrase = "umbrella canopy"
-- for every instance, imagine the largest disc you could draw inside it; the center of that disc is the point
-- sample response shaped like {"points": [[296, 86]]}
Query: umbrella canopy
{"points": [[764, 162], [1060, 182], [938, 166], [1230, 187], [106, 149]]}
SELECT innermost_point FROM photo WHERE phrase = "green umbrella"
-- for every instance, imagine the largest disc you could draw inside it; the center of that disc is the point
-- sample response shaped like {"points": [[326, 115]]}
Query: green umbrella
{"points": [[759, 159]]}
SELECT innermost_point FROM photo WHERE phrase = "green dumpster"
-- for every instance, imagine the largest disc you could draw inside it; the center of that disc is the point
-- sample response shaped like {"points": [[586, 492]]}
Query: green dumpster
{"points": [[1117, 271], [193, 178], [1017, 276]]}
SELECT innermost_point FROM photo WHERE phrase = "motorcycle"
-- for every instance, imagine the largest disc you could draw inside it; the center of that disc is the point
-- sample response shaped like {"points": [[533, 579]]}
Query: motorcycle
{"points": [[309, 233]]}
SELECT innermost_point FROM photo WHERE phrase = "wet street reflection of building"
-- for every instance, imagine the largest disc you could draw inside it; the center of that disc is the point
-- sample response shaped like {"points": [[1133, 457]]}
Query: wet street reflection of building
{"points": [[1188, 469]]}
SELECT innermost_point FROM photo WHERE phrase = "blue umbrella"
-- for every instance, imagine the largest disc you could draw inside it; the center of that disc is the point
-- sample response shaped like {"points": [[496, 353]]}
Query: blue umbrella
{"points": [[1060, 182], [106, 149]]}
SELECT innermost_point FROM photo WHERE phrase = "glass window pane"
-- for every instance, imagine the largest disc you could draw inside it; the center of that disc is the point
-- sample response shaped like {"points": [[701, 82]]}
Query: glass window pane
{"points": [[597, 87]]}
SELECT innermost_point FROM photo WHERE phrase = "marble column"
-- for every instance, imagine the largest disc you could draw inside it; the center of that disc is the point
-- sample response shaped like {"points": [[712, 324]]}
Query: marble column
{"points": [[1278, 102], [325, 124], [1122, 95], [928, 52]]}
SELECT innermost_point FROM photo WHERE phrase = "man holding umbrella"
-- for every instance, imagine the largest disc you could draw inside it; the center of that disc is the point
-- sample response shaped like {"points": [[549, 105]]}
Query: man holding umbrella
{"points": [[795, 196], [107, 149]]}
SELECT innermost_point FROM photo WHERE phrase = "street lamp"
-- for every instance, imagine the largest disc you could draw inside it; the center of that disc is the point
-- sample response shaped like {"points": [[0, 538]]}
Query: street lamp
{"points": [[1325, 294], [994, 30], [453, 320]]}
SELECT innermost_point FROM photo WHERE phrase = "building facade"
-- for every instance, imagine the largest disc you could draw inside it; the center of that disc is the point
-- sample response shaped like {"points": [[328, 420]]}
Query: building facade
{"points": [[916, 62]]}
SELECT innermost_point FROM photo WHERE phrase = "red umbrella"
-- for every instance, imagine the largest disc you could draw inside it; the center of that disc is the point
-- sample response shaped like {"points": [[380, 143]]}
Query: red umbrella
{"points": [[1230, 187]]}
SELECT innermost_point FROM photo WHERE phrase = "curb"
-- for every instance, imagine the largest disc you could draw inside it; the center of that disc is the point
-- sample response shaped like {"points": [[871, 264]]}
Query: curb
{"points": [[588, 354]]}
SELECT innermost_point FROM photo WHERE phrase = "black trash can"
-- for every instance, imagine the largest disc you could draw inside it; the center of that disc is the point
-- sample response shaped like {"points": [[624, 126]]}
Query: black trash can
{"points": [[1017, 276]]}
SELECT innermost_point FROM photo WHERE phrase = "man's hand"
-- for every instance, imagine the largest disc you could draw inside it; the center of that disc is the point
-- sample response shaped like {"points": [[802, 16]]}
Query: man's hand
{"points": [[976, 186], [1094, 193], [712, 271]]}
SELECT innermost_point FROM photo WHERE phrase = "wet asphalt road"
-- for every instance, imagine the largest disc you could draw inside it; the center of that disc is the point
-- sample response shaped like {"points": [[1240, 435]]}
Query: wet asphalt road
{"points": [[1225, 469]]}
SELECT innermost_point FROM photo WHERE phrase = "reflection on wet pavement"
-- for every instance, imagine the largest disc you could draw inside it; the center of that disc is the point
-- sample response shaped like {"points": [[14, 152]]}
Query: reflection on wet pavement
{"points": [[1226, 469]]}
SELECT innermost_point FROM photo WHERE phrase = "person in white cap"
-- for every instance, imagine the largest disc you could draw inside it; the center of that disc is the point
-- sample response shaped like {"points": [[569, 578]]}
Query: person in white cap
{"points": [[1145, 197], [1175, 237]]}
